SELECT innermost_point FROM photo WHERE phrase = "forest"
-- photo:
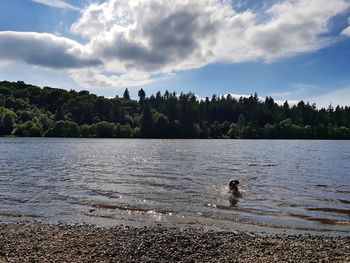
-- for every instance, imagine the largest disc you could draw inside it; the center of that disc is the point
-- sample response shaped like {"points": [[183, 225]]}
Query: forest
{"points": [[30, 111]]}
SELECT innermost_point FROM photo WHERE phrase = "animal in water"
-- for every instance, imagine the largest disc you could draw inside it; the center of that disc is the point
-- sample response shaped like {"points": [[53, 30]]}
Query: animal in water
{"points": [[233, 188]]}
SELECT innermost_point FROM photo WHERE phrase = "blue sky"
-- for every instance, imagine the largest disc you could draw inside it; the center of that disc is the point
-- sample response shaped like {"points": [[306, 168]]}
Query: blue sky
{"points": [[291, 50]]}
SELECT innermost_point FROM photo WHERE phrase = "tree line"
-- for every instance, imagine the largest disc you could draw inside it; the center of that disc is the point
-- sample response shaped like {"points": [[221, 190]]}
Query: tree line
{"points": [[30, 111]]}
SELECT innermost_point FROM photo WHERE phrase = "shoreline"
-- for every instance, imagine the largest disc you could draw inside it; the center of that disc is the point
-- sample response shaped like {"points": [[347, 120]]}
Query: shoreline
{"points": [[28, 242], [181, 138]]}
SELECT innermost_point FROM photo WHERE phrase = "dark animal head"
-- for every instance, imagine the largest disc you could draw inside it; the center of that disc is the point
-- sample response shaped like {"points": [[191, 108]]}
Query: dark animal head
{"points": [[233, 187], [233, 183]]}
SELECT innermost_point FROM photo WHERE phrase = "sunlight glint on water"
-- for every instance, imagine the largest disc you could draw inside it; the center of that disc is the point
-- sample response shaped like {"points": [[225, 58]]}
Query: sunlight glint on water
{"points": [[285, 184]]}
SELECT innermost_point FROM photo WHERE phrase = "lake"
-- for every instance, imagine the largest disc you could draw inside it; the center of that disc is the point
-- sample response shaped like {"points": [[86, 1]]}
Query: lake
{"points": [[286, 185]]}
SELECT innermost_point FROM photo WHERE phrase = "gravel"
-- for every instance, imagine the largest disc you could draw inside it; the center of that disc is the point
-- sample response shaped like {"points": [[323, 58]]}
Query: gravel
{"points": [[86, 243]]}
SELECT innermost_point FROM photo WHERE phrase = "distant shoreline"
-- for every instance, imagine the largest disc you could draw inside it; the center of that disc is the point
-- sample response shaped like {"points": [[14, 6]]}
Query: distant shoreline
{"points": [[203, 139], [30, 111], [86, 243]]}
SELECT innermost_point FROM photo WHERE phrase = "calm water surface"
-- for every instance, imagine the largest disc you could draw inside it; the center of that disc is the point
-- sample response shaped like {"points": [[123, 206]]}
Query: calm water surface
{"points": [[286, 185]]}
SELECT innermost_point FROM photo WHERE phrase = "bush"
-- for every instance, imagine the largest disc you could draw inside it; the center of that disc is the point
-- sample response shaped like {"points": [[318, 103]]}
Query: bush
{"points": [[66, 129], [7, 121], [28, 129], [105, 129]]}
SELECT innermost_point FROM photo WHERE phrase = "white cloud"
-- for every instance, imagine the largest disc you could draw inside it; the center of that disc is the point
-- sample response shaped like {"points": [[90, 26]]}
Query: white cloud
{"points": [[294, 27], [45, 50], [141, 39], [346, 31], [96, 78], [57, 4], [299, 90], [279, 102], [290, 102], [337, 97], [38, 76], [161, 36], [260, 98]]}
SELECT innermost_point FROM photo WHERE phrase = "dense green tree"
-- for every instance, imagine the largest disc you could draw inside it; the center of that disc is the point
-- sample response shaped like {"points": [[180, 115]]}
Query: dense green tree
{"points": [[27, 110], [270, 131], [249, 132], [2, 100], [86, 131], [7, 121], [147, 122], [105, 129], [66, 129], [126, 131], [10, 103], [162, 126], [28, 129], [241, 124], [233, 132], [5, 91], [45, 121], [59, 115], [25, 116], [136, 133]]}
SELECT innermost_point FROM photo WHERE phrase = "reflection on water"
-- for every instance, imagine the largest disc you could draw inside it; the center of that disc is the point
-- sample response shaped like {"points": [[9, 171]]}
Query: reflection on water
{"points": [[284, 184]]}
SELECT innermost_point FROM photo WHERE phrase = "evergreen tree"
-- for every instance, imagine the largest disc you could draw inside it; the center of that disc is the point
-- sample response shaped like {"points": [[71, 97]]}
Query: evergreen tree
{"points": [[147, 122], [126, 94], [241, 124], [27, 110], [142, 95]]}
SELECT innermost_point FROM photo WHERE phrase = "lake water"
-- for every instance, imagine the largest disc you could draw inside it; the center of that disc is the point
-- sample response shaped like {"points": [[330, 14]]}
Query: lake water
{"points": [[286, 184]]}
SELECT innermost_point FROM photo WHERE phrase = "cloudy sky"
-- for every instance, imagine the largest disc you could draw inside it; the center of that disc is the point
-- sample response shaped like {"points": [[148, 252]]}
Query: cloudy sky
{"points": [[288, 49]]}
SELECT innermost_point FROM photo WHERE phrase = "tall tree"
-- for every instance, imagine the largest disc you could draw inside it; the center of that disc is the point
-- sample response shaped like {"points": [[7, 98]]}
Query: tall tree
{"points": [[126, 94], [147, 122], [142, 95]]}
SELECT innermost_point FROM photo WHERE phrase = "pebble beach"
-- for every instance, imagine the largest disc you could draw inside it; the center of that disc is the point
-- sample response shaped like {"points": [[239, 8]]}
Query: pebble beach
{"points": [[87, 243]]}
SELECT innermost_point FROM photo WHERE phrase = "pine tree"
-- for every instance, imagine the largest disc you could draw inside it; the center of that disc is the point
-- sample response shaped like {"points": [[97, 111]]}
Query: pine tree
{"points": [[126, 94]]}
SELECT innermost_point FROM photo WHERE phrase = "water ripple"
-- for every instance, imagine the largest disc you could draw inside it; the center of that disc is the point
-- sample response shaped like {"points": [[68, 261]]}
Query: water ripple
{"points": [[284, 184]]}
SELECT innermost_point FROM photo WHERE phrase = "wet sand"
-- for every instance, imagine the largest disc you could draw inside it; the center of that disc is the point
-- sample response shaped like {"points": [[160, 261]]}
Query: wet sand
{"points": [[86, 243]]}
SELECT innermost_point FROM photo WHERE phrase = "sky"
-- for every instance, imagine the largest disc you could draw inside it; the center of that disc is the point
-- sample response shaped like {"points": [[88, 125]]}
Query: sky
{"points": [[288, 49]]}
